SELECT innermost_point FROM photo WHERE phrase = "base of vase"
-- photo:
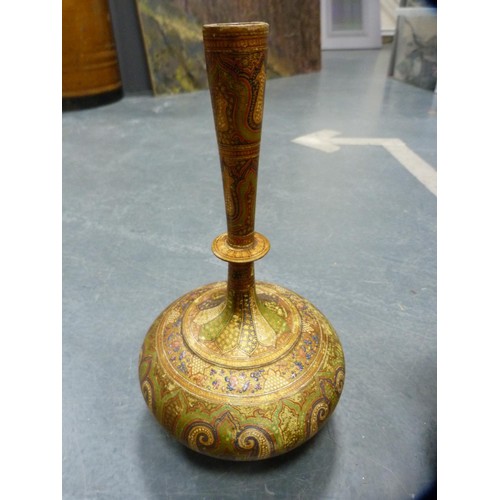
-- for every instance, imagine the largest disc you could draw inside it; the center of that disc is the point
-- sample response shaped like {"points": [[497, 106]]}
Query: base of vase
{"points": [[258, 404]]}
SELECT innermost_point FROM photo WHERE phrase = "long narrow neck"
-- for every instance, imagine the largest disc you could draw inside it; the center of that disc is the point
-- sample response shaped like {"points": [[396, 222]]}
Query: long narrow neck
{"points": [[240, 279], [236, 55]]}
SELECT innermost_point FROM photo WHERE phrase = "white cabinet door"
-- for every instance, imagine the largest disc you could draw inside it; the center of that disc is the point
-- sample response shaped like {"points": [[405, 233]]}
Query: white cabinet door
{"points": [[350, 24]]}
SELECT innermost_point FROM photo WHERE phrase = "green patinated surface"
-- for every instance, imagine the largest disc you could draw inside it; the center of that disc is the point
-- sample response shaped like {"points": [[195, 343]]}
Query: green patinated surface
{"points": [[241, 414]]}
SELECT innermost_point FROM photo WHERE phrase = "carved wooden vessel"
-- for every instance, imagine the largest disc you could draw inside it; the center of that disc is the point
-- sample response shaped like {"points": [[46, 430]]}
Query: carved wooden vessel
{"points": [[240, 370]]}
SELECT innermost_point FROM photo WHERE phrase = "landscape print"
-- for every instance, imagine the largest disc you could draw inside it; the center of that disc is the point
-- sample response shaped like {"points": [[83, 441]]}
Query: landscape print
{"points": [[415, 49], [172, 35]]}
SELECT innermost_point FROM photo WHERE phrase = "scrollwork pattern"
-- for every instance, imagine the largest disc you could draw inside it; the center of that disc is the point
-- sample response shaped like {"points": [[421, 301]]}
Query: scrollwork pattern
{"points": [[200, 436], [256, 442]]}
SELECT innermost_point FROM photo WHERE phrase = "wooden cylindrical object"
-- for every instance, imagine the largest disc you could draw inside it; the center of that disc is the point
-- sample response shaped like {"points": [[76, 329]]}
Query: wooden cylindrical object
{"points": [[90, 70]]}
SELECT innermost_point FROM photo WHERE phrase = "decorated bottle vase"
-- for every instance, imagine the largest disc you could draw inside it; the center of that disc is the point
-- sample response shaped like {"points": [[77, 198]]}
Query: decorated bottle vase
{"points": [[240, 369]]}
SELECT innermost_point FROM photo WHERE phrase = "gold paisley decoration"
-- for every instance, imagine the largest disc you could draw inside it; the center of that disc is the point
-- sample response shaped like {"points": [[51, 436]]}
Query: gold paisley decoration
{"points": [[200, 436], [146, 384], [318, 415], [339, 380], [257, 442], [259, 105], [147, 392]]}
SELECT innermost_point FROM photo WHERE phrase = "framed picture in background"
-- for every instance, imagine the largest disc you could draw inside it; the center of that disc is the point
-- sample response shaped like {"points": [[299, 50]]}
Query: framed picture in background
{"points": [[172, 37], [414, 50]]}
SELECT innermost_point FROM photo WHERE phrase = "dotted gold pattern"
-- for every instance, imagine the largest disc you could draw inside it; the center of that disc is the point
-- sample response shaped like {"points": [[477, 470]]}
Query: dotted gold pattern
{"points": [[242, 413]]}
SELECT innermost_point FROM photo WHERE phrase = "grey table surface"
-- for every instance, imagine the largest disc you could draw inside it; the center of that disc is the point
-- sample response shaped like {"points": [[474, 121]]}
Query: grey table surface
{"points": [[353, 231]]}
